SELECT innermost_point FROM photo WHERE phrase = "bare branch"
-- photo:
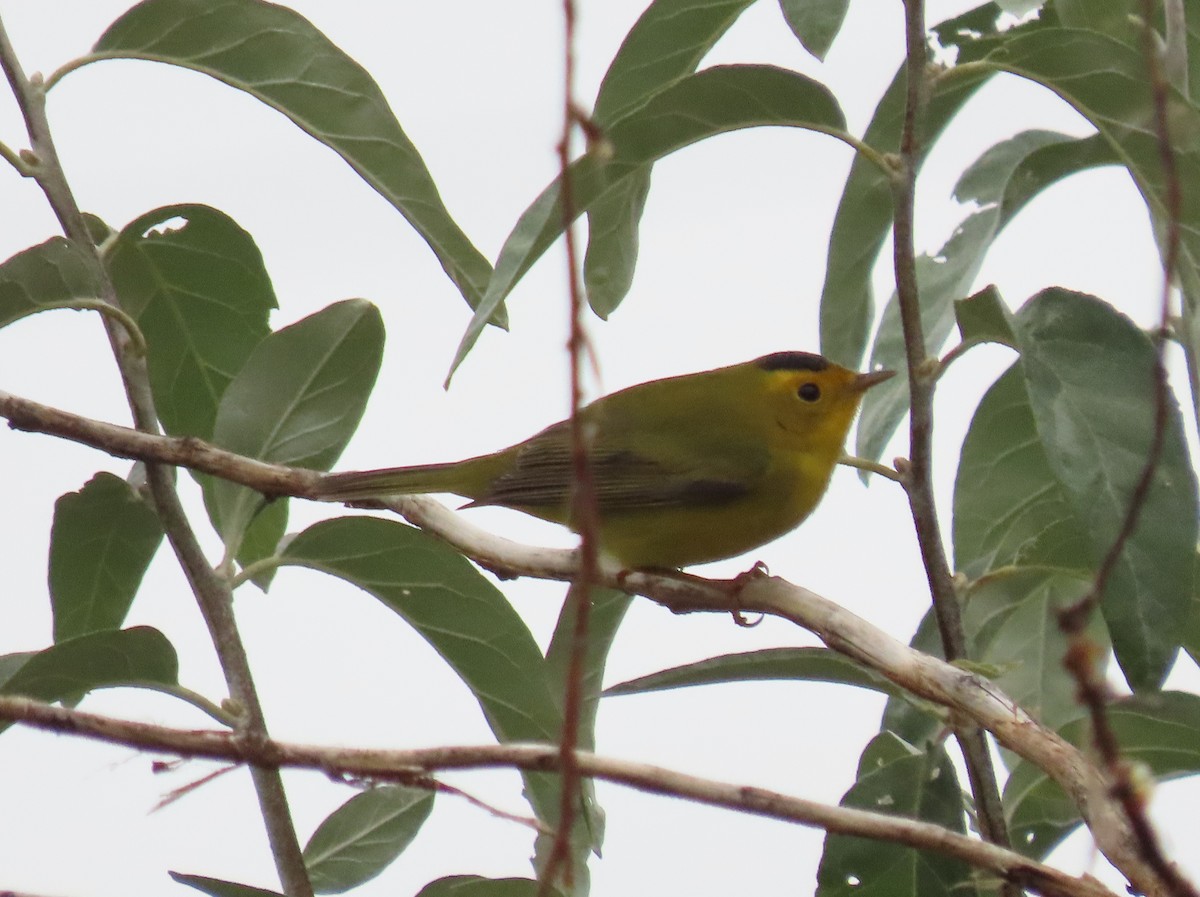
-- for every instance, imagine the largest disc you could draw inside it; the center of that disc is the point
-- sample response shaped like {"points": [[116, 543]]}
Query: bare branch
{"points": [[414, 766]]}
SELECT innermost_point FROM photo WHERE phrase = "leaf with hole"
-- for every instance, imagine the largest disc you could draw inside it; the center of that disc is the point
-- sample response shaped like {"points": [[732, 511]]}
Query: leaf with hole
{"points": [[279, 57], [1159, 729], [196, 284], [894, 777]]}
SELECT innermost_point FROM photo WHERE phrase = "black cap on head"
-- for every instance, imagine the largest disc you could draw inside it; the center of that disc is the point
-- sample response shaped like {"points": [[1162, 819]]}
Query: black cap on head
{"points": [[793, 361]]}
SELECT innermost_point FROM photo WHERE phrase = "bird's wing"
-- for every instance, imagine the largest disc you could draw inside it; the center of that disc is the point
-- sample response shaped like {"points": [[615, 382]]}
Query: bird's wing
{"points": [[664, 470]]}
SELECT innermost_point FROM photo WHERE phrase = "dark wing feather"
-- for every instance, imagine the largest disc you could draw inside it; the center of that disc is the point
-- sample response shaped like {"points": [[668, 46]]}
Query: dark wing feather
{"points": [[624, 479]]}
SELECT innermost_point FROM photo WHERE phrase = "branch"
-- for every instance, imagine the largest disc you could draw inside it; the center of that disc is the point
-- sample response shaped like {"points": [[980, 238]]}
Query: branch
{"points": [[971, 697], [922, 379], [212, 592], [413, 767]]}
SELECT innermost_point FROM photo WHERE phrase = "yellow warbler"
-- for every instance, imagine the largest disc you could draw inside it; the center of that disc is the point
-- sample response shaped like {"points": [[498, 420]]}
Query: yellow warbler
{"points": [[686, 469]]}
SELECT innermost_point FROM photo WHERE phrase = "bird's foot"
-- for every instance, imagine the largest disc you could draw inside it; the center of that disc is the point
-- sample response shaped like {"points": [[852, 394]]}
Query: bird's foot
{"points": [[735, 586]]}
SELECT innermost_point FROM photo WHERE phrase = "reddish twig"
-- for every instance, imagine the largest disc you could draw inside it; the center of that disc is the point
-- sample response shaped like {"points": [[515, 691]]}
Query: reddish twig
{"points": [[1082, 653], [583, 499]]}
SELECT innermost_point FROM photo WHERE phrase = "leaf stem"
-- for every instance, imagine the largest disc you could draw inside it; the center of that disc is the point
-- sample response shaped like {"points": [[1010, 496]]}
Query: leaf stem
{"points": [[197, 700], [77, 63], [137, 341], [212, 592], [13, 158], [872, 466], [253, 569]]}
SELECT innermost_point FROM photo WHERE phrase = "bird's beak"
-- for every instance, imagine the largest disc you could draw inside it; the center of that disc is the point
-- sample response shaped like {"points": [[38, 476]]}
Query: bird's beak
{"points": [[863, 382]]}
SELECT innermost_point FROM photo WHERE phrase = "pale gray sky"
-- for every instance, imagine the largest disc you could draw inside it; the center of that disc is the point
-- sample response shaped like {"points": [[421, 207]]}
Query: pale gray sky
{"points": [[731, 266]]}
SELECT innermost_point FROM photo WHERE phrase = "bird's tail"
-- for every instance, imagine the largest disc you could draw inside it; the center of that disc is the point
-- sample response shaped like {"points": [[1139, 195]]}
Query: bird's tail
{"points": [[355, 485]]}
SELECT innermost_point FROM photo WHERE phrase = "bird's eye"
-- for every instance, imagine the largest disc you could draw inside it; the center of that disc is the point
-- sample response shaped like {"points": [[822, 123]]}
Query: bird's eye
{"points": [[809, 392]]}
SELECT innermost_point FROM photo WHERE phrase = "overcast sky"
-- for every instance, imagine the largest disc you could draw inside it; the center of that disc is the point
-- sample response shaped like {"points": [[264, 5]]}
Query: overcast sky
{"points": [[732, 260]]}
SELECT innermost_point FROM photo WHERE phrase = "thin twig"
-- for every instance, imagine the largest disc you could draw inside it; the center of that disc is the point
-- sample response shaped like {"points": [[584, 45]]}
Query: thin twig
{"points": [[211, 591], [1081, 652], [922, 379], [412, 766], [559, 863]]}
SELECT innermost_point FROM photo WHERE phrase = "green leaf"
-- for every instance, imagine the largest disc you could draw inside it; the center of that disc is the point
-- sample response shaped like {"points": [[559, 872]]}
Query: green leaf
{"points": [[72, 668], [364, 835], [1098, 15], [196, 284], [47, 275], [896, 778], [1020, 7], [666, 43], [262, 538], [608, 609], [1160, 729], [942, 279], [1009, 507], [1090, 376], [945, 277], [801, 664], [815, 22], [1012, 616], [1191, 635], [714, 101], [466, 620], [101, 542], [1042, 167], [297, 400], [478, 886], [905, 717], [643, 65], [613, 236], [280, 58], [984, 318], [11, 663], [1103, 76], [218, 888], [865, 212]]}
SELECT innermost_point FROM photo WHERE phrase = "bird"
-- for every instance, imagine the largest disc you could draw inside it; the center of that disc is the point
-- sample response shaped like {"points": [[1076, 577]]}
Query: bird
{"points": [[685, 470]]}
